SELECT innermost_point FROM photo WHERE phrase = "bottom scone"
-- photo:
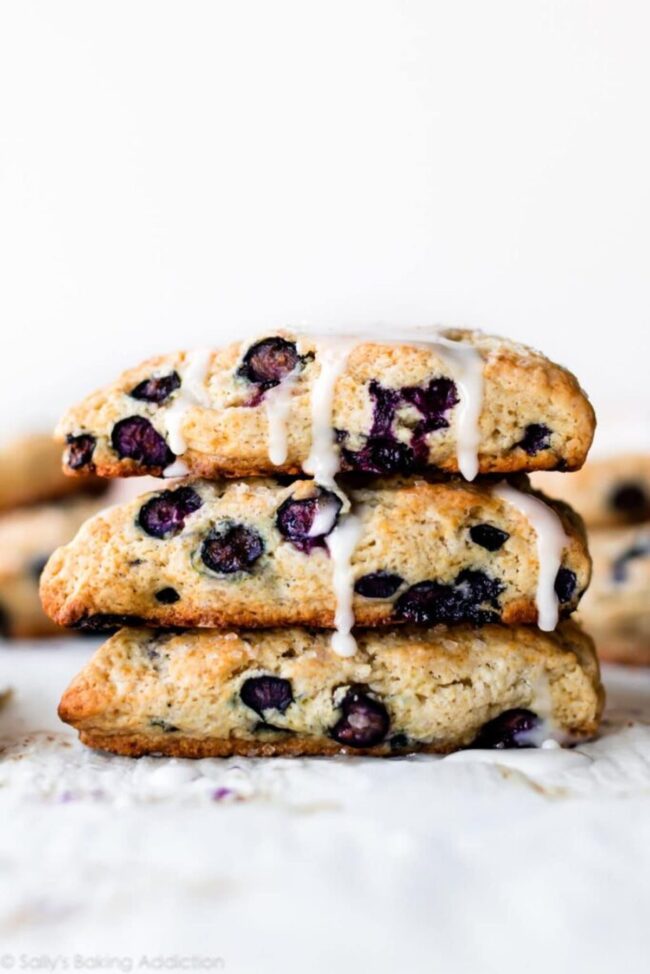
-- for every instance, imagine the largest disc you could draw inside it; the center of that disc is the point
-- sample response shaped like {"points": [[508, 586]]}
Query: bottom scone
{"points": [[617, 607], [205, 693]]}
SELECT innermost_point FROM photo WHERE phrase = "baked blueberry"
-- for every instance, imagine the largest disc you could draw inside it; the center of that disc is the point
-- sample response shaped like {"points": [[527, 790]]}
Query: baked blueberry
{"points": [[385, 402], [136, 439], [537, 437], [631, 500], [231, 548], [399, 742], [488, 537], [473, 597], [381, 455], [101, 621], [167, 596], [157, 388], [378, 585], [268, 362], [364, 721], [512, 728], [163, 725], [620, 567], [432, 402], [307, 522], [164, 515], [565, 584], [262, 693], [80, 450]]}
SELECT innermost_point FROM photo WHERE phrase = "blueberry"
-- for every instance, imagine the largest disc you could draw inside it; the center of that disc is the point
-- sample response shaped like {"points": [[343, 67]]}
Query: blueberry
{"points": [[472, 598], [477, 587], [565, 584], [80, 450], [620, 567], [630, 499], [232, 548], [513, 728], [136, 439], [101, 621], [364, 723], [295, 519], [268, 362], [383, 452], [163, 725], [378, 585], [262, 693], [385, 403], [167, 596], [487, 536], [157, 388], [164, 515], [432, 401], [537, 437], [381, 455], [399, 742]]}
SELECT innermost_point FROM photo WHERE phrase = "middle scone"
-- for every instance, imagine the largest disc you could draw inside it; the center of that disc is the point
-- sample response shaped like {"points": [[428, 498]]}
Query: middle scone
{"points": [[257, 554]]}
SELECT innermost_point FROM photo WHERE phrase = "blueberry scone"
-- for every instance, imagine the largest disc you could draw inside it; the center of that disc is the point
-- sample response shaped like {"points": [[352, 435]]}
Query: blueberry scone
{"points": [[455, 400], [261, 553], [283, 691], [617, 607], [30, 472], [608, 493], [27, 538]]}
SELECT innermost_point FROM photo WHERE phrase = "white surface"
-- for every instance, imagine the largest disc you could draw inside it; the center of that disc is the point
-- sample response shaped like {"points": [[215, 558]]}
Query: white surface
{"points": [[176, 174], [538, 862]]}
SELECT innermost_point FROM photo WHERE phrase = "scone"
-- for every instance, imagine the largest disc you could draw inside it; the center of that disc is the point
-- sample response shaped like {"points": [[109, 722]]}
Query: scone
{"points": [[610, 492], [616, 609], [206, 693], [28, 536], [259, 553], [456, 401], [30, 472]]}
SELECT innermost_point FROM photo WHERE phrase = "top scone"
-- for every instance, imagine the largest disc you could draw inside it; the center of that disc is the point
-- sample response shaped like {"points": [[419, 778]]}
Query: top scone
{"points": [[246, 410]]}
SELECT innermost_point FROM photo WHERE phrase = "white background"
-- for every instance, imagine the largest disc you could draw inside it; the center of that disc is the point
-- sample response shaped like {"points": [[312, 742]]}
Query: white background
{"points": [[179, 173]]}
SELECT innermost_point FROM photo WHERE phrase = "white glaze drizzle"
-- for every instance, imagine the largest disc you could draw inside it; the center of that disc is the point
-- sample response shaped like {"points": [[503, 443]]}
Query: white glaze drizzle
{"points": [[325, 518], [465, 363], [176, 469], [466, 366], [323, 462], [551, 541], [191, 393], [341, 544], [277, 403]]}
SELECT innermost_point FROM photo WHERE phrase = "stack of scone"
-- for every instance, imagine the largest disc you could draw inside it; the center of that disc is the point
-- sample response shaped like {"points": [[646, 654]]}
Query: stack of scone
{"points": [[40, 509], [359, 591], [613, 496]]}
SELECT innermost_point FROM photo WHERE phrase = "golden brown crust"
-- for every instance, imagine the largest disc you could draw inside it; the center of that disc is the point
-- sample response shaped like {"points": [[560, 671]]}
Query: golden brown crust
{"points": [[182, 694], [139, 745], [228, 435], [413, 529]]}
